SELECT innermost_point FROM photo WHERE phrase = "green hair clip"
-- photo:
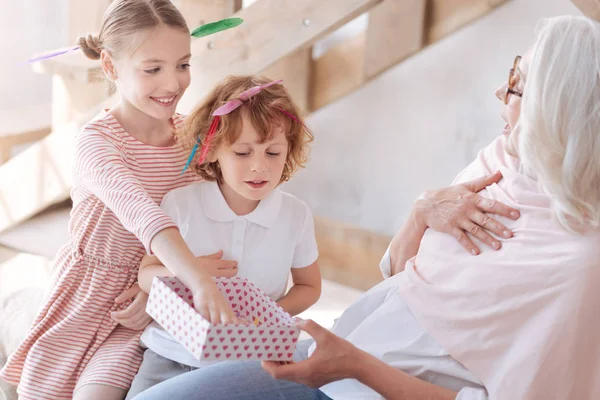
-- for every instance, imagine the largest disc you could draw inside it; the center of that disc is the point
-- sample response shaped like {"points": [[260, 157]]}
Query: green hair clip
{"points": [[218, 26]]}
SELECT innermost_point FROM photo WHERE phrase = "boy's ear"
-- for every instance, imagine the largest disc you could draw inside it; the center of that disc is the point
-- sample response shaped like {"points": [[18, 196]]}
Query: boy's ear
{"points": [[108, 65], [212, 157]]}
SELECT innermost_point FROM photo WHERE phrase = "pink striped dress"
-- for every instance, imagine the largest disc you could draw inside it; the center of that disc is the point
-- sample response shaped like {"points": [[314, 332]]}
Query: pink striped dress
{"points": [[118, 185]]}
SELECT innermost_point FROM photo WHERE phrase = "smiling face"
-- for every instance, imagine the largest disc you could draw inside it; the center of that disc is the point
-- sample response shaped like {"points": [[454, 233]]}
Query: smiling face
{"points": [[153, 79]]}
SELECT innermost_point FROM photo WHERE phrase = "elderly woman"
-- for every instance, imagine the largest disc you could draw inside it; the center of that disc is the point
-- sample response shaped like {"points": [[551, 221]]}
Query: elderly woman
{"points": [[518, 323]]}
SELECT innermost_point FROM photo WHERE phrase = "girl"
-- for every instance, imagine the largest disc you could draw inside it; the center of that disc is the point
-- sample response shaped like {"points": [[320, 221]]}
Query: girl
{"points": [[252, 141], [126, 159]]}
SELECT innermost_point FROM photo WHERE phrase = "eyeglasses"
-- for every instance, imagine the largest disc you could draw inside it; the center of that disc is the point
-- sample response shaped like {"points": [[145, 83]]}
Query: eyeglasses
{"points": [[512, 81]]}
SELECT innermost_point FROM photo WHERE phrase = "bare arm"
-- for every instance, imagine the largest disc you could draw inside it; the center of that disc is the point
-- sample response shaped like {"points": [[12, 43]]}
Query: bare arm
{"points": [[174, 253], [394, 384], [335, 359], [306, 290], [406, 242], [151, 266]]}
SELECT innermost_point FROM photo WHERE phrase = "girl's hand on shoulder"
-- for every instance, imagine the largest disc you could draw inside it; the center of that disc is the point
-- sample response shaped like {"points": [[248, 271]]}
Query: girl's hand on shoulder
{"points": [[458, 210], [134, 316]]}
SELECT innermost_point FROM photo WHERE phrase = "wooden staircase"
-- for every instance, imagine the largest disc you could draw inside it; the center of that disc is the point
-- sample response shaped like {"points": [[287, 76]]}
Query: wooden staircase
{"points": [[276, 40]]}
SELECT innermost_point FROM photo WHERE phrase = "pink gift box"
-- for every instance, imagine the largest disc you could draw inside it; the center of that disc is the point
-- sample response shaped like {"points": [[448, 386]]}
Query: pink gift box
{"points": [[171, 305]]}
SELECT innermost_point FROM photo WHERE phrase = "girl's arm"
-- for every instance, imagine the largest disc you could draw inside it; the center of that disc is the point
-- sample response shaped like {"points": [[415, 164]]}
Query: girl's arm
{"points": [[394, 384], [306, 290], [171, 249], [335, 358], [151, 266], [100, 169]]}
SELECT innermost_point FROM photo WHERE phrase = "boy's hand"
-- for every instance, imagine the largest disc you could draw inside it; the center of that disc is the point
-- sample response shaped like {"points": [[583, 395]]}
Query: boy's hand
{"points": [[134, 316], [216, 267]]}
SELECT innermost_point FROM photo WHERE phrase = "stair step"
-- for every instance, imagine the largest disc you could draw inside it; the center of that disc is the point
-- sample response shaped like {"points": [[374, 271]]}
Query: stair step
{"points": [[21, 126], [23, 270], [42, 235]]}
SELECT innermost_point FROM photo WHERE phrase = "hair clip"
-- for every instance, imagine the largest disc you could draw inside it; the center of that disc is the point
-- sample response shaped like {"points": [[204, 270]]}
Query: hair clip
{"points": [[225, 109], [201, 31]]}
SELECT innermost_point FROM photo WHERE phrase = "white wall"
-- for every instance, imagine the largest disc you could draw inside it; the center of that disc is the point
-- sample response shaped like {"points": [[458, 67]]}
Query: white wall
{"points": [[28, 27], [416, 126]]}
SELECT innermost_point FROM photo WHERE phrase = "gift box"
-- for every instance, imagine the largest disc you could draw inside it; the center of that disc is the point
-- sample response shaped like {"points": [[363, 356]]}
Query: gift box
{"points": [[270, 332]]}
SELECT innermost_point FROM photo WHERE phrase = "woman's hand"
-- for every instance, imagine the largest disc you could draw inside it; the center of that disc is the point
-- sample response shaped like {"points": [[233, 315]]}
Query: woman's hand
{"points": [[134, 316], [335, 359], [332, 360], [458, 210]]}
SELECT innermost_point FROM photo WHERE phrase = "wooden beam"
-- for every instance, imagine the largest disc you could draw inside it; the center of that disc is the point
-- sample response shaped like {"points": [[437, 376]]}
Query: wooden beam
{"points": [[200, 12], [445, 17], [349, 255], [590, 8], [395, 31], [295, 70], [338, 72], [352, 63], [273, 30]]}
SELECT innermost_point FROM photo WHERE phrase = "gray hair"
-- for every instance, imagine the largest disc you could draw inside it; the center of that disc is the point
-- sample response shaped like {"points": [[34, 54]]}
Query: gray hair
{"points": [[559, 126]]}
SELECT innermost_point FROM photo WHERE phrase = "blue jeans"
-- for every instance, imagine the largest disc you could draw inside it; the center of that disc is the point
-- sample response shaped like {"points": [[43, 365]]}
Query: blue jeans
{"points": [[234, 380]]}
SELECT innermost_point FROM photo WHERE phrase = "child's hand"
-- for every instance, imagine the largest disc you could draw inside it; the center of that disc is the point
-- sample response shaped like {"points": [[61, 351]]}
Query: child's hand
{"points": [[216, 267], [210, 303], [134, 316]]}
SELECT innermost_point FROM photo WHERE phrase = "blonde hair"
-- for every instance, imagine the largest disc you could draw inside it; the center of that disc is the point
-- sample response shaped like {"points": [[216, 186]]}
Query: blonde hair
{"points": [[559, 125], [125, 20], [265, 109]]}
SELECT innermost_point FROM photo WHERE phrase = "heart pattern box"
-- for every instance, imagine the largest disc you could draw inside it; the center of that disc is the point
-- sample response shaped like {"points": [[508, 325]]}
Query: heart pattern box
{"points": [[270, 332]]}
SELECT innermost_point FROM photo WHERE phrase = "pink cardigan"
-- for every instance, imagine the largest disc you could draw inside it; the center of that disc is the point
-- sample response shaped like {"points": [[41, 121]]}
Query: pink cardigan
{"points": [[524, 320]]}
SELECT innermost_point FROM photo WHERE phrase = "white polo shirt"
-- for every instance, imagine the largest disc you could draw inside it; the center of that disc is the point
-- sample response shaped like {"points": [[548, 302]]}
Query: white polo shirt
{"points": [[277, 236]]}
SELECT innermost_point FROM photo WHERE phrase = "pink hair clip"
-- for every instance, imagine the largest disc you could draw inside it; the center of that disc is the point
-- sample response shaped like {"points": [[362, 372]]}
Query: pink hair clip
{"points": [[232, 105]]}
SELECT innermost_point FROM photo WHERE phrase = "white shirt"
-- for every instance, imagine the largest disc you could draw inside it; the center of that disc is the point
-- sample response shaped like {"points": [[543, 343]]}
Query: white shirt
{"points": [[277, 236], [381, 324]]}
